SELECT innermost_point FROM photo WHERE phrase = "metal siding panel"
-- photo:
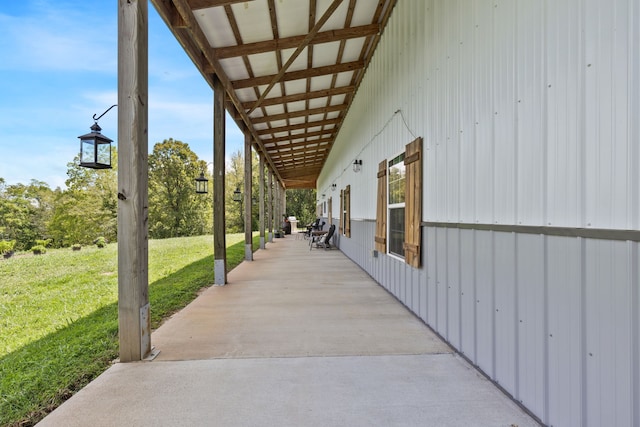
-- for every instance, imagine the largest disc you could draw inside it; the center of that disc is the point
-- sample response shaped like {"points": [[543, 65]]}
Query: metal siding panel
{"points": [[402, 274], [634, 91], [439, 115], [452, 102], [442, 325], [635, 322], [504, 101], [414, 294], [608, 333], [484, 302], [424, 276], [531, 319], [485, 151], [432, 271], [422, 302], [466, 125], [505, 310], [563, 91], [468, 294], [530, 114], [564, 334], [453, 286]]}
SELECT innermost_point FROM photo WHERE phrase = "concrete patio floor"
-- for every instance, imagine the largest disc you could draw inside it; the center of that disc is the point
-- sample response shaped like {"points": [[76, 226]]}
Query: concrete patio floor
{"points": [[296, 338]]}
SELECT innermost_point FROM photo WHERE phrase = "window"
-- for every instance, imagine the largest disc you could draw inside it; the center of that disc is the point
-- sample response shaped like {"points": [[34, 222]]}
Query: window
{"points": [[399, 204], [396, 205], [345, 212]]}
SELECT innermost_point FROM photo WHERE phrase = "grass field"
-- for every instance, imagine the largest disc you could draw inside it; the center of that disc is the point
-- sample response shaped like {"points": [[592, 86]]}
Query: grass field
{"points": [[59, 315]]}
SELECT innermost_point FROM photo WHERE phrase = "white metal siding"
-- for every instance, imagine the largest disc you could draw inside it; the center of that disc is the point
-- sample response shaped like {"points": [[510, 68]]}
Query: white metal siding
{"points": [[529, 111]]}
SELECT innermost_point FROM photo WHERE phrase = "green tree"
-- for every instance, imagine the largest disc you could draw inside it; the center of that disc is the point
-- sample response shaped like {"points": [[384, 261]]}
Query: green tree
{"points": [[174, 207], [234, 179], [301, 203], [88, 208], [25, 211]]}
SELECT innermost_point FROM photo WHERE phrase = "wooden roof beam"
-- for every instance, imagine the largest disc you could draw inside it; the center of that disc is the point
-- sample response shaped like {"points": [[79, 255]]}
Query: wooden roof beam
{"points": [[204, 4], [302, 96], [298, 144], [302, 74], [298, 126], [301, 113], [291, 42], [306, 135]]}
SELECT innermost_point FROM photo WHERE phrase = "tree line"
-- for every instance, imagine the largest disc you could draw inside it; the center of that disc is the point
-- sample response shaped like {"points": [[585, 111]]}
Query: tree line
{"points": [[86, 210]]}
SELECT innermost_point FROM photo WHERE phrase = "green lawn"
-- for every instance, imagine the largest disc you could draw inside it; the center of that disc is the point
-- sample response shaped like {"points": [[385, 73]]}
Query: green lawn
{"points": [[59, 315]]}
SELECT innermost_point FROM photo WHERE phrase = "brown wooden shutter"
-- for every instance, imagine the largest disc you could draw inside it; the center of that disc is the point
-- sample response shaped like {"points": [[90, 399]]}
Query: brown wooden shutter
{"points": [[329, 213], [413, 203], [381, 210], [347, 208], [341, 225]]}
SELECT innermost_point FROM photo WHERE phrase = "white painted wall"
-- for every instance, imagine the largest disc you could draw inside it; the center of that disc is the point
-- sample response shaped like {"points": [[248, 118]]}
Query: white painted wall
{"points": [[530, 114]]}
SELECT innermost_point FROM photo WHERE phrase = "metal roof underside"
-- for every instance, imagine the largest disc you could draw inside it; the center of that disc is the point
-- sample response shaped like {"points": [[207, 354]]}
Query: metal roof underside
{"points": [[290, 68]]}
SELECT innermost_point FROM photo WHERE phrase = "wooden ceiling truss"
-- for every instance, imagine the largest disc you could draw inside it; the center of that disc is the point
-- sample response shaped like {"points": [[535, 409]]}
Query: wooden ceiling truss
{"points": [[290, 69]]}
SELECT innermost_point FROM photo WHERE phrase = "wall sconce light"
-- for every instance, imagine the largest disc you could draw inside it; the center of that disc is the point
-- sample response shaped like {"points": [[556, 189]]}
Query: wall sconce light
{"points": [[357, 165], [237, 195], [333, 186], [323, 195], [95, 148]]}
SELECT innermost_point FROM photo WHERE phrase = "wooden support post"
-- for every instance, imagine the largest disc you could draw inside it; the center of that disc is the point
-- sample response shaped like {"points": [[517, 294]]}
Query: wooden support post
{"points": [[219, 221], [261, 214], [248, 202], [133, 280], [270, 206], [277, 208], [284, 201]]}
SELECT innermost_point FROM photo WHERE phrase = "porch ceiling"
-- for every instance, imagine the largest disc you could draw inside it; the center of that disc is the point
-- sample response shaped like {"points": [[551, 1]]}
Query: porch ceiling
{"points": [[290, 68]]}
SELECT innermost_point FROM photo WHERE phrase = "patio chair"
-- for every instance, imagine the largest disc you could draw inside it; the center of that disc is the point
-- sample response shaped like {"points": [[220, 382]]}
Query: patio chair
{"points": [[323, 240], [315, 226]]}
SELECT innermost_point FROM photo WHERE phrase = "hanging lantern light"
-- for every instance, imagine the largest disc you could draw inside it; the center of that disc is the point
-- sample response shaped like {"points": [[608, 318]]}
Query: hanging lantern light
{"points": [[237, 195], [95, 149], [202, 184]]}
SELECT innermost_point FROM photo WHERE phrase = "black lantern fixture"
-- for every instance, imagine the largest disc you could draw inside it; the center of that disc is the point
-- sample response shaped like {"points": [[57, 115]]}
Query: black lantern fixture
{"points": [[357, 165], [333, 186], [95, 148], [202, 184], [237, 195]]}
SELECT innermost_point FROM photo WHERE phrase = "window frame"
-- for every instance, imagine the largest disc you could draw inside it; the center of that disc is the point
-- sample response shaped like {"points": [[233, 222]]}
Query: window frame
{"points": [[397, 205]]}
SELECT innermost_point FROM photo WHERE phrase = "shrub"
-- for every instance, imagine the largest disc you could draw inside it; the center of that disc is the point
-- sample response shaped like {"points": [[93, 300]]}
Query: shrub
{"points": [[76, 247], [38, 249], [44, 243], [101, 242], [6, 246]]}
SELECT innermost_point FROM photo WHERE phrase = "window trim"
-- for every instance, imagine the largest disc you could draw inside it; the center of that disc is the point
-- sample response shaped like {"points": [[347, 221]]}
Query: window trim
{"points": [[391, 206]]}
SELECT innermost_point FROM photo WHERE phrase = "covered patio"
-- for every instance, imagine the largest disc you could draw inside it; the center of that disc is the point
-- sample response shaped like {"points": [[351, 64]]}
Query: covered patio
{"points": [[297, 338]]}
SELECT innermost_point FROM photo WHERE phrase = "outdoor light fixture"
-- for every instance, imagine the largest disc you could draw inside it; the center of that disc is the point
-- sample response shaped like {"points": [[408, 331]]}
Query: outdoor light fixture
{"points": [[333, 186], [237, 195], [95, 148], [202, 184], [357, 165]]}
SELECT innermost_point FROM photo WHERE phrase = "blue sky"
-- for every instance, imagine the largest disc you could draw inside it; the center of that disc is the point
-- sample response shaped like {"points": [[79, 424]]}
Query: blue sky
{"points": [[58, 67]]}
